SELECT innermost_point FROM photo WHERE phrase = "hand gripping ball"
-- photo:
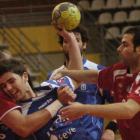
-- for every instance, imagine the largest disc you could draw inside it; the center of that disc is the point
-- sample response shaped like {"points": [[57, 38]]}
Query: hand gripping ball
{"points": [[66, 13]]}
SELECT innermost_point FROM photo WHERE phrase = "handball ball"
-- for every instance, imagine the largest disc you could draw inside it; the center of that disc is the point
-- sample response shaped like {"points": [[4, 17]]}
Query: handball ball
{"points": [[66, 13]]}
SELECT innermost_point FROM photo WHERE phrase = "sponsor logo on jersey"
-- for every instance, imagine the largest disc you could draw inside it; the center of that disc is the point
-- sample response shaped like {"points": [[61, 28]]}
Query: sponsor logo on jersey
{"points": [[66, 134], [60, 80], [45, 104], [63, 135]]}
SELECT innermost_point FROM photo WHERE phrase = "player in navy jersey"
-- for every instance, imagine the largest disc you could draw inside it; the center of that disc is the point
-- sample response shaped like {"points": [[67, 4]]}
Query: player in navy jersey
{"points": [[10, 113], [88, 93], [14, 81], [124, 79]]}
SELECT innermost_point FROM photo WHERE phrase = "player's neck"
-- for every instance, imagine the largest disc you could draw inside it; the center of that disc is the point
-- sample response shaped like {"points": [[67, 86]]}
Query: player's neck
{"points": [[30, 94], [134, 68]]}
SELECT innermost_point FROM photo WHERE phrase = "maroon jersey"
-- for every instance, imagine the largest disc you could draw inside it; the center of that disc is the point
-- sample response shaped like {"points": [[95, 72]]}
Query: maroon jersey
{"points": [[124, 85], [6, 104]]}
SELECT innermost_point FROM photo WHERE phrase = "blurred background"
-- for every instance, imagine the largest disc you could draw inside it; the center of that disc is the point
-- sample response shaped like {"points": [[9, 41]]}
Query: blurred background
{"points": [[26, 32]]}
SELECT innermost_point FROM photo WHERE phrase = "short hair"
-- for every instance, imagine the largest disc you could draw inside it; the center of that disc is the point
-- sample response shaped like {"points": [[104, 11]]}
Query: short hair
{"points": [[136, 38], [11, 65], [2, 55], [79, 29]]}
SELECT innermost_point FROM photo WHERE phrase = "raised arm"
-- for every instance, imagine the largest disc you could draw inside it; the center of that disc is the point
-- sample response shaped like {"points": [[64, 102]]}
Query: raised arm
{"points": [[75, 62], [74, 50]]}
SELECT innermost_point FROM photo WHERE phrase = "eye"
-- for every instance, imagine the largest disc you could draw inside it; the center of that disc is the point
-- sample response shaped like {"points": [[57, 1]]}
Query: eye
{"points": [[3, 86], [11, 81]]}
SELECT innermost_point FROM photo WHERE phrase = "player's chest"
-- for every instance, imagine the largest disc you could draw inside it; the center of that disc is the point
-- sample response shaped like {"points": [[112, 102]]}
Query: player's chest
{"points": [[122, 88]]}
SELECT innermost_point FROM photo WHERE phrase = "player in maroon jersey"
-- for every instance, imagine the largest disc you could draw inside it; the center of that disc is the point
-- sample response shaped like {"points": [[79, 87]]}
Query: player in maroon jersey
{"points": [[123, 79]]}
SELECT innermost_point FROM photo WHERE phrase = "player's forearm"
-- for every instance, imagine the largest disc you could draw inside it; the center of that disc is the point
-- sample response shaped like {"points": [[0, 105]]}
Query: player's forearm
{"points": [[36, 121], [116, 110], [89, 76], [75, 62], [24, 126]]}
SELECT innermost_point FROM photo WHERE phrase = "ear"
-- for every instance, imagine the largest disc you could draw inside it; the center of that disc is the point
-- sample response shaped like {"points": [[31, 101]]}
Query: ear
{"points": [[85, 45], [25, 77]]}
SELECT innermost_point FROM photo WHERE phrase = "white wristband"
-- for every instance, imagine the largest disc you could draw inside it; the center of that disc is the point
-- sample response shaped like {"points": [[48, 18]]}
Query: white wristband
{"points": [[54, 107]]}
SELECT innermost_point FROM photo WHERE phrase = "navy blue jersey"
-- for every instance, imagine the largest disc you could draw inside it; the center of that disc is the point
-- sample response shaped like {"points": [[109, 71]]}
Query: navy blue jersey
{"points": [[90, 94], [6, 133], [46, 94], [73, 131]]}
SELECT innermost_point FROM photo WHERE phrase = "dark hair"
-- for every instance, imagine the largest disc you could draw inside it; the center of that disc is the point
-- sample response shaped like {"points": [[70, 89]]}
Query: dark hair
{"points": [[136, 32], [79, 29], [11, 65], [2, 55]]}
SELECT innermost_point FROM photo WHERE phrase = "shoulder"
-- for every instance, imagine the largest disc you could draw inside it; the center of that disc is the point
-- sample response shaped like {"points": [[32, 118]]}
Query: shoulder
{"points": [[7, 105], [91, 65]]}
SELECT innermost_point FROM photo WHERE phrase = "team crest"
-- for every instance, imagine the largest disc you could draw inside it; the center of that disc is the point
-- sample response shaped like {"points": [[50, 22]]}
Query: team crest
{"points": [[60, 80], [83, 86]]}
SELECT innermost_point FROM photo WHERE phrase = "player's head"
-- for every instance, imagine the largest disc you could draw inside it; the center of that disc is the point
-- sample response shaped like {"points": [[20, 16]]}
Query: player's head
{"points": [[135, 31], [13, 78], [11, 65], [129, 50], [79, 29], [82, 37]]}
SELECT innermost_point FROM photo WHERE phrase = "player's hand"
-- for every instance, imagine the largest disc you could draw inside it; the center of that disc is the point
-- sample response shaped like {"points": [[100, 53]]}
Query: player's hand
{"points": [[58, 75], [65, 94], [68, 35], [108, 135], [73, 111]]}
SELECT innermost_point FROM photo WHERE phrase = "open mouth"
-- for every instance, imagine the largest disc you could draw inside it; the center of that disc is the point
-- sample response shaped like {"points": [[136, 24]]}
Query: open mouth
{"points": [[14, 93]]}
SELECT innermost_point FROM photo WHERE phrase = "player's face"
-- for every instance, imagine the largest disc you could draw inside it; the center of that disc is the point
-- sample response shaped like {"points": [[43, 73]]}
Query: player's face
{"points": [[66, 45], [126, 51], [14, 85]]}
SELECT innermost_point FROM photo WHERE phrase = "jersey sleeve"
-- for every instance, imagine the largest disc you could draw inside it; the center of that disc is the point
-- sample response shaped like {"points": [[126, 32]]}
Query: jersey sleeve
{"points": [[135, 91], [105, 79], [6, 105]]}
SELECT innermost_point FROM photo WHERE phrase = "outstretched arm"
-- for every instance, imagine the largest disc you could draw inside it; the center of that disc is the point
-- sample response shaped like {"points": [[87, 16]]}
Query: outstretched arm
{"points": [[125, 110], [88, 76]]}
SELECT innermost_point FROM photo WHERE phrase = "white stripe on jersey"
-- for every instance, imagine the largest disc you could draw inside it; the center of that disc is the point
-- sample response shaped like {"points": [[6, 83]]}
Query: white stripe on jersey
{"points": [[91, 65]]}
